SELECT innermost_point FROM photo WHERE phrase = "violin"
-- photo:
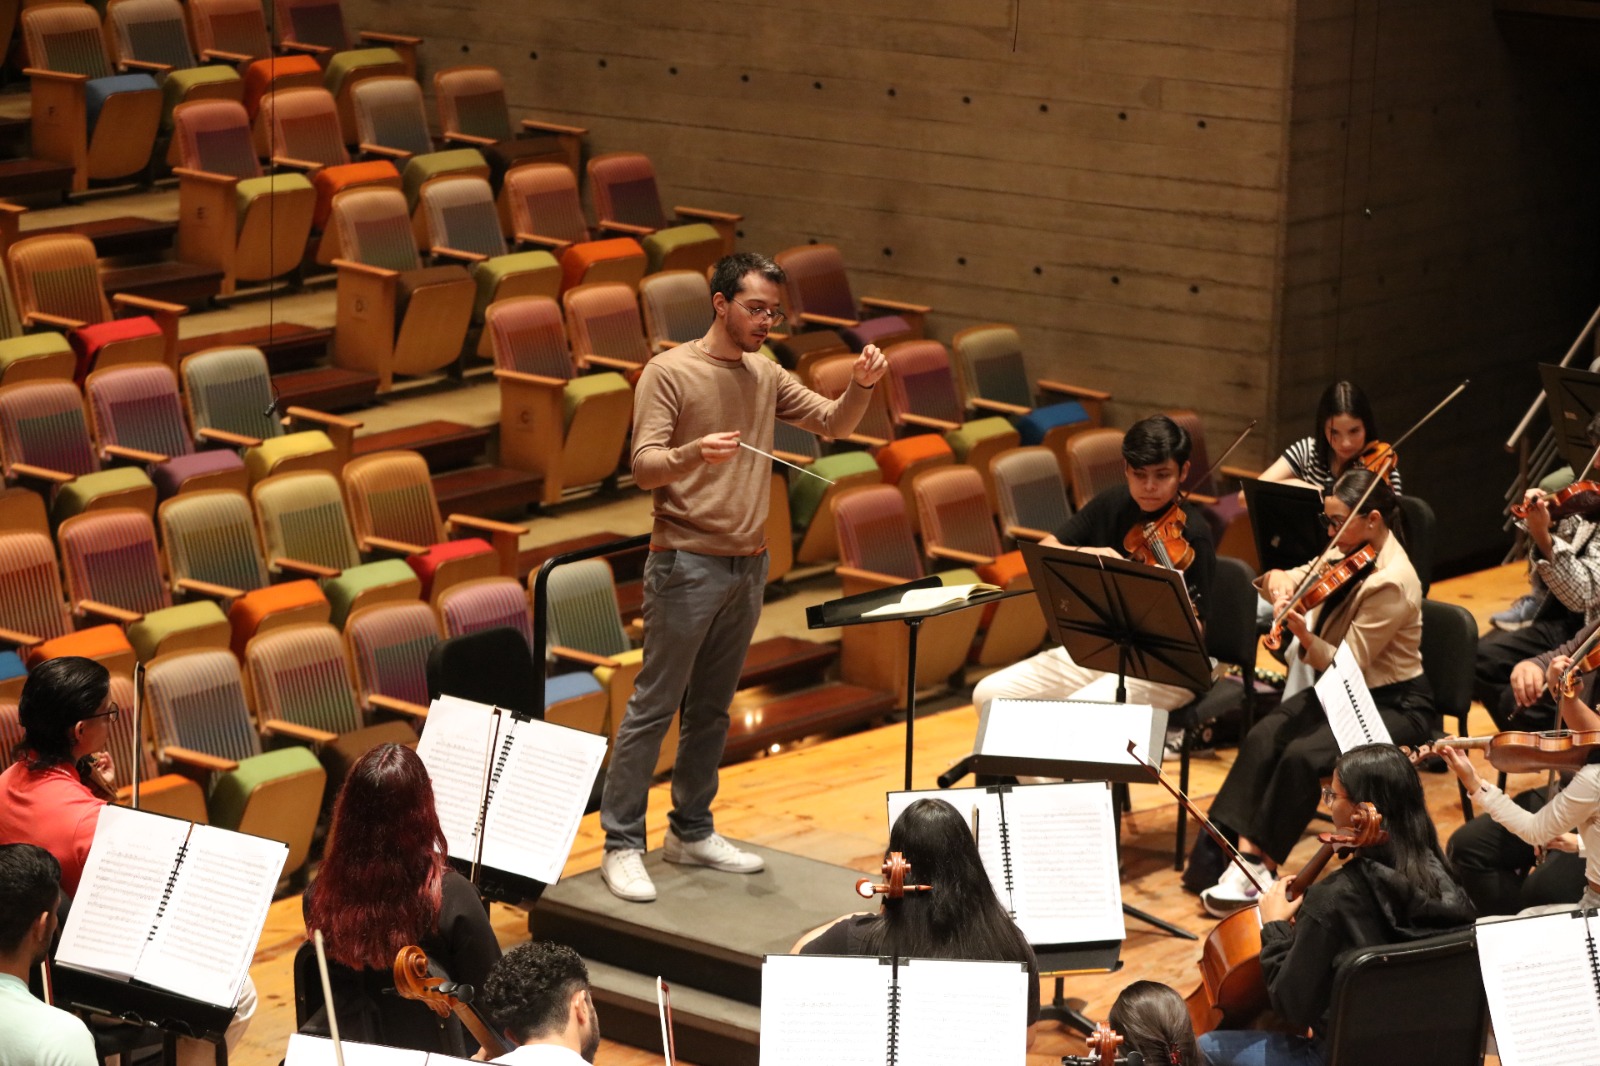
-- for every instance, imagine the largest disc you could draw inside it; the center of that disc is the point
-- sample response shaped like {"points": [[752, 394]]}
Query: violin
{"points": [[1515, 752], [95, 771], [416, 978], [1161, 542], [895, 869], [1378, 457], [1331, 580], [1586, 660], [1580, 497]]}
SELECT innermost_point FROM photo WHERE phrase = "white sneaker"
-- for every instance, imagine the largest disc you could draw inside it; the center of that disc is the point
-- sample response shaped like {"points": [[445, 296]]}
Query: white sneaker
{"points": [[1174, 745], [624, 874], [714, 851], [1234, 891]]}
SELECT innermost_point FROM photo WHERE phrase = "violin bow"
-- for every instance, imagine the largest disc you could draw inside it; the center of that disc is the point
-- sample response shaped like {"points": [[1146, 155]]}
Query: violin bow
{"points": [[1216, 834], [1580, 653], [1217, 464], [1595, 455], [327, 997], [138, 731]]}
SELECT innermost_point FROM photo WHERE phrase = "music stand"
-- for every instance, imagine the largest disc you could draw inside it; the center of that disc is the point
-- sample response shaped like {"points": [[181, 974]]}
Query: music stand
{"points": [[848, 611], [1573, 397], [1286, 522]]}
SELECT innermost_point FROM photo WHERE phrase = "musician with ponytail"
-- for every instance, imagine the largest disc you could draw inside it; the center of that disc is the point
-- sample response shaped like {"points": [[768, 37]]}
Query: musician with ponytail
{"points": [[1154, 1021]]}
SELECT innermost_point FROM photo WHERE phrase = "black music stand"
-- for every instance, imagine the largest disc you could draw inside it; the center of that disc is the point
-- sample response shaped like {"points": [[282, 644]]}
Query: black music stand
{"points": [[848, 611], [1573, 396], [144, 1005], [1285, 521]]}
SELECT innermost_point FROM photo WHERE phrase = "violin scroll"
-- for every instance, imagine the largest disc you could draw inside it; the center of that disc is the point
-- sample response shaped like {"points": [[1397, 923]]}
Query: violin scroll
{"points": [[895, 869], [1104, 1042]]}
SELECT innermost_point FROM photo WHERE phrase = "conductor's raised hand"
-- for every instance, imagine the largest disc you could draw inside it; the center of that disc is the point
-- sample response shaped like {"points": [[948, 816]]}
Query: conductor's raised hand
{"points": [[870, 365], [719, 447]]}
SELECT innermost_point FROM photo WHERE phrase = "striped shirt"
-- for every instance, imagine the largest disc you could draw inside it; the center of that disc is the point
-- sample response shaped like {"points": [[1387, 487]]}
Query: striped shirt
{"points": [[1302, 459]]}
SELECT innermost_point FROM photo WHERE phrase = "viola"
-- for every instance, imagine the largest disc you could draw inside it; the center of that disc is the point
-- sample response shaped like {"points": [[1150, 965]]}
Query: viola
{"points": [[1378, 457], [1161, 542], [416, 978], [1351, 568], [1515, 752], [94, 770], [895, 869], [1580, 497]]}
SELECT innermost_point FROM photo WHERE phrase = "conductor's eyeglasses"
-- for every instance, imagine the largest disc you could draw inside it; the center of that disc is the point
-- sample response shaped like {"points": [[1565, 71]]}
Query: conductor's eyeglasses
{"points": [[763, 314]]}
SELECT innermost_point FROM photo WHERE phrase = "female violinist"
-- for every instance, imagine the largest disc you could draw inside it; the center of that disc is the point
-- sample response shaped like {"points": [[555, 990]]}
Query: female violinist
{"points": [[1398, 891], [1344, 428], [1271, 792], [957, 917], [384, 884], [1154, 1021]]}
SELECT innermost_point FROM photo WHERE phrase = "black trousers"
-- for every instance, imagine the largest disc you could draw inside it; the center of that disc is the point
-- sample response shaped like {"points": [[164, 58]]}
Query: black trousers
{"points": [[1499, 652], [1276, 782], [1497, 868]]}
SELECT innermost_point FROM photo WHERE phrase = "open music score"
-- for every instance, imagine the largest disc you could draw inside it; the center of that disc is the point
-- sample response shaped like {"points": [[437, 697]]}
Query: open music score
{"points": [[1347, 701], [1542, 979], [523, 782], [318, 1051]]}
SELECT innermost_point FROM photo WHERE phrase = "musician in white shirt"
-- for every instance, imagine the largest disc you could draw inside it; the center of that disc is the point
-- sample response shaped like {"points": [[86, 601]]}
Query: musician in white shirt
{"points": [[538, 993]]}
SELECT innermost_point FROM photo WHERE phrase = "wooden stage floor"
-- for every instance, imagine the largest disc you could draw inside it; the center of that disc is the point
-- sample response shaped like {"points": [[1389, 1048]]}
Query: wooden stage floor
{"points": [[825, 801]]}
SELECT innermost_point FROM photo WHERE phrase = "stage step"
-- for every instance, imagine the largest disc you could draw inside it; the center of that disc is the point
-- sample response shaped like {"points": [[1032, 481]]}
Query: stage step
{"points": [[30, 177], [445, 445], [171, 280], [627, 567], [123, 235], [764, 716], [705, 1027], [781, 657], [287, 345], [327, 388], [486, 490]]}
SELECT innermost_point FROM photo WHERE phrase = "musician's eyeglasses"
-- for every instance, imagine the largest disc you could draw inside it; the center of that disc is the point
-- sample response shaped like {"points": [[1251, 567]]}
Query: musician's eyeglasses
{"points": [[1329, 795], [763, 314], [111, 716], [1333, 523]]}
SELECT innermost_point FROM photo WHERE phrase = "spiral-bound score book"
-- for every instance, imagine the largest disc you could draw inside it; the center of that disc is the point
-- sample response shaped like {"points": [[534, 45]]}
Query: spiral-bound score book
{"points": [[171, 904], [860, 1011], [1347, 701], [523, 782], [1541, 976]]}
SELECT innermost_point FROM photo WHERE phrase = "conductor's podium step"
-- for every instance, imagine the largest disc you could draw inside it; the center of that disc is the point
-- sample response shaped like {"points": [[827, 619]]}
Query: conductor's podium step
{"points": [[706, 934], [287, 345], [172, 280], [445, 445], [486, 490]]}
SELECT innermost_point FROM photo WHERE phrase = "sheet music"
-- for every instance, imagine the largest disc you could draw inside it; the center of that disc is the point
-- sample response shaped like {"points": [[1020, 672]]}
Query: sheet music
{"points": [[205, 941], [539, 799], [1063, 842], [1540, 979], [124, 882], [318, 1051], [455, 742], [1347, 701], [1068, 730], [826, 1009], [958, 1013], [964, 800]]}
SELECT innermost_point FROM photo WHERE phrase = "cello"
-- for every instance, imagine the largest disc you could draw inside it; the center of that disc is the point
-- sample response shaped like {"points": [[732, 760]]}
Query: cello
{"points": [[416, 978]]}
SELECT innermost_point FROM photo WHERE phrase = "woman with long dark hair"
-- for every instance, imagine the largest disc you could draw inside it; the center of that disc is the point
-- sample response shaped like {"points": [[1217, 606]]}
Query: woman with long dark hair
{"points": [[384, 884], [960, 917], [1395, 892], [1344, 425], [1153, 1020]]}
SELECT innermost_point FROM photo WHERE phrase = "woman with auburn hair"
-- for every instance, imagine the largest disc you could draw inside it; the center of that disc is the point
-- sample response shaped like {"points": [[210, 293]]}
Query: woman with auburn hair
{"points": [[383, 884]]}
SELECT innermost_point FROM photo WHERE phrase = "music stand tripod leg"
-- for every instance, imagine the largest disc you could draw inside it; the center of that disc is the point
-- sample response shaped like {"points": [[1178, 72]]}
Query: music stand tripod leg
{"points": [[1160, 923], [1060, 1009], [914, 625]]}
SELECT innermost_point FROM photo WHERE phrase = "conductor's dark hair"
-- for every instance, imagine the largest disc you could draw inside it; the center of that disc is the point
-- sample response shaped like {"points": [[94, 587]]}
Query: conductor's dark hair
{"points": [[960, 917], [529, 988], [58, 694], [729, 274], [1382, 775], [1154, 1021], [1341, 398], [1155, 440], [29, 877]]}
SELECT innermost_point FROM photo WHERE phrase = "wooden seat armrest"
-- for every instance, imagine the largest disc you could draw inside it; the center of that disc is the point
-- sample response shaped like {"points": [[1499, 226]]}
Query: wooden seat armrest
{"points": [[399, 155], [205, 177], [706, 215], [539, 380], [236, 58], [144, 303], [309, 734], [926, 422], [1202, 499], [812, 319], [233, 440], [105, 610], [145, 66], [395, 547], [132, 455], [444, 251], [584, 657], [553, 244], [635, 630], [292, 163], [622, 365], [1026, 533], [303, 568], [389, 38], [869, 577], [998, 407], [19, 638], [487, 525], [866, 441], [405, 707], [533, 125], [15, 210], [793, 457], [199, 760], [1098, 395], [210, 590], [878, 303], [301, 46], [939, 551], [1237, 473], [44, 318], [362, 268], [665, 346], [39, 473], [322, 418], [55, 75], [625, 228], [468, 138]]}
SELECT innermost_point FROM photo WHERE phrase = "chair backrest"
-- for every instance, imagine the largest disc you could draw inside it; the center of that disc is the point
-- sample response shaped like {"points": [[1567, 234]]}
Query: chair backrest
{"points": [[124, 745], [526, 334], [677, 306], [989, 359], [389, 113], [305, 125], [237, 26], [196, 700], [214, 136], [603, 319], [623, 185], [1231, 633], [43, 423], [485, 603], [30, 586], [300, 674], [493, 666], [462, 215], [66, 38], [875, 532], [830, 376], [1421, 529], [374, 227], [1028, 489], [921, 381], [389, 646], [1416, 1002], [954, 511], [319, 22], [1199, 457], [57, 274], [472, 100], [230, 389], [544, 200], [301, 516], [110, 556], [151, 31], [137, 406], [583, 609], [817, 283], [211, 536], [1094, 462], [12, 734], [1449, 648], [390, 494]]}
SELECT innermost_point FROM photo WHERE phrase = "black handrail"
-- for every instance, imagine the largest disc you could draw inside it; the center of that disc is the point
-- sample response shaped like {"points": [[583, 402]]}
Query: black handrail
{"points": [[541, 623]]}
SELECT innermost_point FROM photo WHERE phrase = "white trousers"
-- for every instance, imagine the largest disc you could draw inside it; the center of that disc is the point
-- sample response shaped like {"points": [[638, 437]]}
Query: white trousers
{"points": [[1052, 675]]}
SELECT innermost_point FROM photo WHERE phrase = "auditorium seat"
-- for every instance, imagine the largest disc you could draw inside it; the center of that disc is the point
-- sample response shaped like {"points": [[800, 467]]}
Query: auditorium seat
{"points": [[605, 329], [472, 112], [46, 354], [235, 31], [317, 28], [149, 36], [171, 794], [464, 228], [923, 394], [486, 603], [1030, 494], [830, 375], [627, 203], [304, 129], [811, 501], [677, 307], [1093, 463], [994, 380], [34, 617], [137, 416], [539, 206], [817, 293], [44, 443], [388, 645]]}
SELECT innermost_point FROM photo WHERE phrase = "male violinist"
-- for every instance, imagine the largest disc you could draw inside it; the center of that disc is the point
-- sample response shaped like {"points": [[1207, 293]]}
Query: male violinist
{"points": [[1155, 462]]}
